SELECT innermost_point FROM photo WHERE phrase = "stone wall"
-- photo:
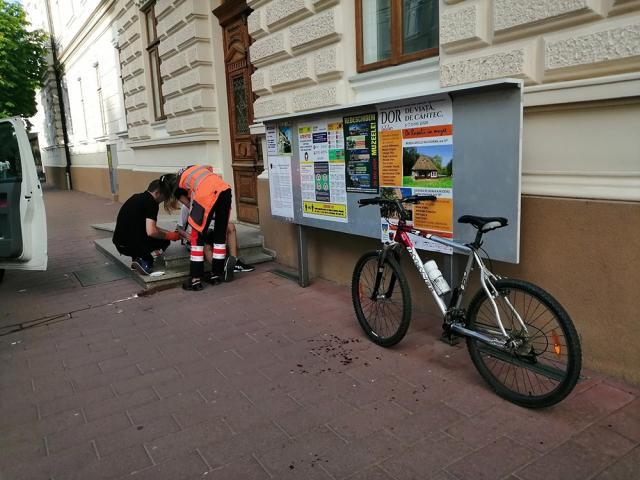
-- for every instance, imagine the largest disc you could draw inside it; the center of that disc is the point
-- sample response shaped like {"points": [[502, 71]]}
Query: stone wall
{"points": [[187, 68], [297, 52], [539, 41]]}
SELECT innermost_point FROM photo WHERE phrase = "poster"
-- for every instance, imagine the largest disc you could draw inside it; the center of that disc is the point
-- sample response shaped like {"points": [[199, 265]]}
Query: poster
{"points": [[322, 171], [416, 158], [279, 164], [361, 153]]}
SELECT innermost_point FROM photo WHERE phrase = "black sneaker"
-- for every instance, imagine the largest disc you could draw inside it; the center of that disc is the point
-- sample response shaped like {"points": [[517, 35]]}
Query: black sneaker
{"points": [[142, 266], [229, 265], [243, 267], [212, 278], [192, 286]]}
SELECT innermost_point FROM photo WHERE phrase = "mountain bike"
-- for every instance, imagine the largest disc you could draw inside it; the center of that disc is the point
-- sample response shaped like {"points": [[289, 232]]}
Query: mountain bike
{"points": [[521, 340]]}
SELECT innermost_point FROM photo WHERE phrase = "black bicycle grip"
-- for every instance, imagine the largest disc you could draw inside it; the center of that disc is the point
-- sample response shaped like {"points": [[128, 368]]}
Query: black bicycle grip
{"points": [[369, 201], [420, 198]]}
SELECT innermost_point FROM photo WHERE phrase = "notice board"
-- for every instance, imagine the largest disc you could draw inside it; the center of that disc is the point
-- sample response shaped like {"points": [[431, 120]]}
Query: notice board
{"points": [[461, 144]]}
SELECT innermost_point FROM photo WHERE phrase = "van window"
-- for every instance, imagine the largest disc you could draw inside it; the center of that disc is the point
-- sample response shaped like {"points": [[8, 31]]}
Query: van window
{"points": [[10, 165]]}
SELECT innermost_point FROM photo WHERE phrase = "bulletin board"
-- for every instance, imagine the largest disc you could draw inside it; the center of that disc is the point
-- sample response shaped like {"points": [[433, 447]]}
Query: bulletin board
{"points": [[461, 144]]}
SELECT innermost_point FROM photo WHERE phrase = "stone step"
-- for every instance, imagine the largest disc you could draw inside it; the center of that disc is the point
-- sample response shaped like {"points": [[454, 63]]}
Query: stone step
{"points": [[176, 259]]}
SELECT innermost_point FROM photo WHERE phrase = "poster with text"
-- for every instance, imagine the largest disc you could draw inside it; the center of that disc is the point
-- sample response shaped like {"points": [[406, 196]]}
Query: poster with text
{"points": [[322, 171], [416, 158], [361, 153], [281, 187], [279, 165]]}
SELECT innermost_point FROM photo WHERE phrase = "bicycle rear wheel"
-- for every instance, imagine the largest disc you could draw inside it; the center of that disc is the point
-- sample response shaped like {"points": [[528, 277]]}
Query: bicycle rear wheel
{"points": [[546, 367], [385, 318]]}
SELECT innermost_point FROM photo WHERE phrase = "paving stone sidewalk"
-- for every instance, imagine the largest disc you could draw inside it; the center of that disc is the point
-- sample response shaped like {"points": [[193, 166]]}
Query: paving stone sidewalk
{"points": [[259, 379]]}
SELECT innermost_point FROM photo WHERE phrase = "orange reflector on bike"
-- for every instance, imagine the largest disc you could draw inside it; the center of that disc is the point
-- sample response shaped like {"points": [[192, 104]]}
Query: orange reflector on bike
{"points": [[556, 343]]}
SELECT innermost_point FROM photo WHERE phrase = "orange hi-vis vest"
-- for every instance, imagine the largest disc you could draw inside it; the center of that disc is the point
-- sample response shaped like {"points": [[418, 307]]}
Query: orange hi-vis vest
{"points": [[203, 187]]}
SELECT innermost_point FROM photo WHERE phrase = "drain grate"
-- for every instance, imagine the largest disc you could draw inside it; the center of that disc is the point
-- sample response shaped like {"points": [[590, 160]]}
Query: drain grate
{"points": [[101, 274]]}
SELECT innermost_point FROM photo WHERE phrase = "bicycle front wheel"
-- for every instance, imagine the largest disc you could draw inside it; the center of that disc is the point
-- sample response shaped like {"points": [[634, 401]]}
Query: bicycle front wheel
{"points": [[385, 315], [546, 366]]}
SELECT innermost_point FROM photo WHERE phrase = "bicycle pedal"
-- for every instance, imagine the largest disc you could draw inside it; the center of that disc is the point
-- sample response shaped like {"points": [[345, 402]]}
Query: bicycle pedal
{"points": [[451, 340]]}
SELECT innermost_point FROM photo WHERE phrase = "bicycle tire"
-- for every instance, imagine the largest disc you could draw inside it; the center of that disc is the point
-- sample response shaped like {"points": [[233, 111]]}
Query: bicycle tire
{"points": [[384, 333], [560, 376]]}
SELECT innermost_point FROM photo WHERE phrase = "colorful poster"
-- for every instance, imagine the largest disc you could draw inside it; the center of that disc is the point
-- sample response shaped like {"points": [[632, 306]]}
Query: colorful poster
{"points": [[361, 153], [322, 171], [283, 139], [416, 158], [280, 186]]}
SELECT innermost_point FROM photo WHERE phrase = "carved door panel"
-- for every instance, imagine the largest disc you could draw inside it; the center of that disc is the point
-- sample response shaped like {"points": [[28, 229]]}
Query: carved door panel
{"points": [[246, 158]]}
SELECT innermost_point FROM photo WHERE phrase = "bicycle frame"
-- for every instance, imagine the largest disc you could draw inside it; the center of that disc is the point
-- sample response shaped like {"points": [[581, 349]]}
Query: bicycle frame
{"points": [[486, 279]]}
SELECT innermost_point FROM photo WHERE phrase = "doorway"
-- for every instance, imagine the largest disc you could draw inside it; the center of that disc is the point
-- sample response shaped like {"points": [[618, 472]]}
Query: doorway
{"points": [[246, 154]]}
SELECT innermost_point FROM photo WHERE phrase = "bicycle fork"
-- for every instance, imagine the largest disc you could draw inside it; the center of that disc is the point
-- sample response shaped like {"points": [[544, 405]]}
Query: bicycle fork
{"points": [[375, 295]]}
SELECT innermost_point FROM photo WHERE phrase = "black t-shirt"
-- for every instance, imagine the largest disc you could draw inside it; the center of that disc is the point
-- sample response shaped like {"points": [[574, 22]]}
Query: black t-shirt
{"points": [[131, 225]]}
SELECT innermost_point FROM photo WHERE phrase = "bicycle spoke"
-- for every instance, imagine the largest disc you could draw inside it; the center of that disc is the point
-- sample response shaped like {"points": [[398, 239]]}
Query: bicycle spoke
{"points": [[384, 315], [542, 362]]}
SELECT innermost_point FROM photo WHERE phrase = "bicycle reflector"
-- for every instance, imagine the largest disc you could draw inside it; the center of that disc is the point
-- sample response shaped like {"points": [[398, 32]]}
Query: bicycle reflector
{"points": [[556, 343]]}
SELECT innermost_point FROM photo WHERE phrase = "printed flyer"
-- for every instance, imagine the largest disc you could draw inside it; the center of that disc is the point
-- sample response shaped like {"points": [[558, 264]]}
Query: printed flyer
{"points": [[279, 164], [361, 152], [322, 171], [416, 158]]}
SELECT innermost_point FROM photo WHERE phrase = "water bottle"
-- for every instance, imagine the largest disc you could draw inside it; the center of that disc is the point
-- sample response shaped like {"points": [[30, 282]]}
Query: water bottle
{"points": [[440, 284]]}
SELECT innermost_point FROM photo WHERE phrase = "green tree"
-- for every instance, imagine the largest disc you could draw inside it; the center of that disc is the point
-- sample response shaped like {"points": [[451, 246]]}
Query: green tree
{"points": [[409, 159], [437, 161], [22, 61], [449, 168]]}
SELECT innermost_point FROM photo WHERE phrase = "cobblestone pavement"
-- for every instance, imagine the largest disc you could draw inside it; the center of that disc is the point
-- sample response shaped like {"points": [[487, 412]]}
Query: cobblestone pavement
{"points": [[260, 379]]}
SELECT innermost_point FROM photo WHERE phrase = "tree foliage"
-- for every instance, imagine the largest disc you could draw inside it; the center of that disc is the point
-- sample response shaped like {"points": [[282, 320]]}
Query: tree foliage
{"points": [[22, 61], [409, 158]]}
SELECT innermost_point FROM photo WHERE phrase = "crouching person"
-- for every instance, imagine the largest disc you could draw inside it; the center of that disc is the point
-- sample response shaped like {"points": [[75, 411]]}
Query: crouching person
{"points": [[206, 195], [137, 234]]}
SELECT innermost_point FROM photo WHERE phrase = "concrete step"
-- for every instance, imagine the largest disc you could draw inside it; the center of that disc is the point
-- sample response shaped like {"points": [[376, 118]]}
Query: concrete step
{"points": [[175, 264]]}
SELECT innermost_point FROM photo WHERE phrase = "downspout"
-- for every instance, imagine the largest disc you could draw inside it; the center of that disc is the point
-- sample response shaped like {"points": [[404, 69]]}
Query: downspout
{"points": [[63, 116]]}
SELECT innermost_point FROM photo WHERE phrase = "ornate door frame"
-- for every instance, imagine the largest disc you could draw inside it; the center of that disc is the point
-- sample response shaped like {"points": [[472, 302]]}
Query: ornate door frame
{"points": [[246, 155]]}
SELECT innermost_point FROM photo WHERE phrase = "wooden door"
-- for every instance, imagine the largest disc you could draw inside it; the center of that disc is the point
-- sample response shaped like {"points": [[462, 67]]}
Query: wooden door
{"points": [[245, 148]]}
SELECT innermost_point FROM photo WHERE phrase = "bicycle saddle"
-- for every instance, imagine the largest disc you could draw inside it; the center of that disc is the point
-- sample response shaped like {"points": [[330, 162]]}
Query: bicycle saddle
{"points": [[484, 224]]}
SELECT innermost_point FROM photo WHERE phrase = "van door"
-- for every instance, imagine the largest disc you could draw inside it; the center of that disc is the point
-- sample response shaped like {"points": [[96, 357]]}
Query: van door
{"points": [[23, 224]]}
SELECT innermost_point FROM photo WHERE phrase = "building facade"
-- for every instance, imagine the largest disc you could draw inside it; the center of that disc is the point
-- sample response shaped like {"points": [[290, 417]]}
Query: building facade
{"points": [[580, 63], [166, 83], [145, 88]]}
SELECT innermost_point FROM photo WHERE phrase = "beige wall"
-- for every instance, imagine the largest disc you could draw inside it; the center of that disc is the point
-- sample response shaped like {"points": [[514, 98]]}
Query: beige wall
{"points": [[584, 252], [57, 177], [96, 181]]}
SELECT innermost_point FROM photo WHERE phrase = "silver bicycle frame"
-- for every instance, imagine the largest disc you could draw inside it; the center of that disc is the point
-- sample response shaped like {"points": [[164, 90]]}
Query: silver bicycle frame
{"points": [[486, 278]]}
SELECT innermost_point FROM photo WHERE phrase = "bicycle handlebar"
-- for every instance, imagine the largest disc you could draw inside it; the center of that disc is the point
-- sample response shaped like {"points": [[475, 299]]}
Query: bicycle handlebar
{"points": [[394, 201]]}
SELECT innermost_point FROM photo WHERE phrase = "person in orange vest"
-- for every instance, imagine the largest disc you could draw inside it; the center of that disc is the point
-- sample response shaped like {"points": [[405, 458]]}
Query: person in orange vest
{"points": [[206, 194]]}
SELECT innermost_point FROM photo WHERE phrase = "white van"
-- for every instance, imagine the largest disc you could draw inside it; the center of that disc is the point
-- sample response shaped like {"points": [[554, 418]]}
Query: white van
{"points": [[23, 223]]}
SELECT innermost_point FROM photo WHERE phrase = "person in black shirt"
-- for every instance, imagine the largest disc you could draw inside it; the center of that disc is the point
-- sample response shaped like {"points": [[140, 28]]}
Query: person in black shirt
{"points": [[136, 233]]}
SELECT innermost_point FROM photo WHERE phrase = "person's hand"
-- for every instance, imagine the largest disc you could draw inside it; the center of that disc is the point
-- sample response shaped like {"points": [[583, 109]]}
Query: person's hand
{"points": [[173, 236], [183, 233]]}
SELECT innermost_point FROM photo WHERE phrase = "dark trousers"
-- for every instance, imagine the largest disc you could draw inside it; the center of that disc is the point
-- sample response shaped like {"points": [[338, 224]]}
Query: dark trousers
{"points": [[217, 239], [144, 248]]}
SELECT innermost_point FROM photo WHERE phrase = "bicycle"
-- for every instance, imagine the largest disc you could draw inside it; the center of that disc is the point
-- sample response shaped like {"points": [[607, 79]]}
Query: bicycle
{"points": [[521, 340]]}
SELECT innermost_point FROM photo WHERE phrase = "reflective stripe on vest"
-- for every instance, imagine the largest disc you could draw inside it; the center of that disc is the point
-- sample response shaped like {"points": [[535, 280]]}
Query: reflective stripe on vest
{"points": [[199, 178], [200, 171]]}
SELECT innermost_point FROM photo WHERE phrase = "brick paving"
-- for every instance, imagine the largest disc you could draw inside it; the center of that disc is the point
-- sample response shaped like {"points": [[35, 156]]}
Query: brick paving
{"points": [[260, 379]]}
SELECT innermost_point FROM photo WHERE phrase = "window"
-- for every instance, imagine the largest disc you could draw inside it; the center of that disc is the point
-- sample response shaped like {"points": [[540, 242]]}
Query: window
{"points": [[103, 121], [10, 165], [151, 24], [82, 107], [391, 32]]}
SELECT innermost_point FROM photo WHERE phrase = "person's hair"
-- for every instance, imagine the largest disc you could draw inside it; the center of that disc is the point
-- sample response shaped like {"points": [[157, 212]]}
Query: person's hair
{"points": [[154, 185], [168, 184]]}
